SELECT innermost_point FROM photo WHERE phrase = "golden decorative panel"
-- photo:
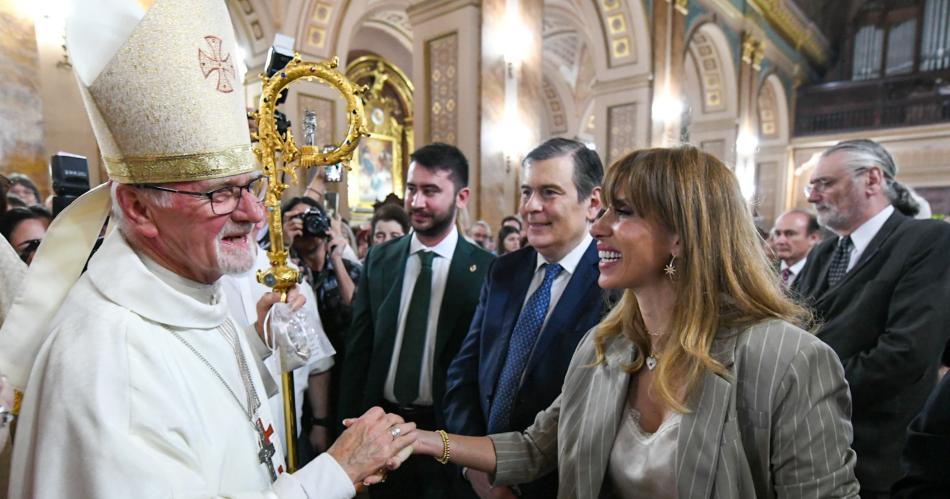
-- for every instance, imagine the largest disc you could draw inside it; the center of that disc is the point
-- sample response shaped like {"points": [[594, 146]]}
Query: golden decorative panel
{"points": [[257, 30], [617, 23], [621, 126], [318, 26], [555, 109], [614, 15], [709, 68], [246, 6], [316, 37], [441, 57], [321, 13], [768, 112]]}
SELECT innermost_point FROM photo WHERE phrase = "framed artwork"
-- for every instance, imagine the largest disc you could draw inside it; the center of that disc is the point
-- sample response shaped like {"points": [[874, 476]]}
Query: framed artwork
{"points": [[375, 171]]}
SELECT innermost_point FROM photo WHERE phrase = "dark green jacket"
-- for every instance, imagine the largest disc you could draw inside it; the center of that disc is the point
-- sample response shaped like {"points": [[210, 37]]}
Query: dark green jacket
{"points": [[370, 339]]}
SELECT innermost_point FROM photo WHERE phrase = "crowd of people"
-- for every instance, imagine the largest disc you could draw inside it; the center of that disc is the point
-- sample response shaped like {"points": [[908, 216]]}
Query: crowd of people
{"points": [[628, 333]]}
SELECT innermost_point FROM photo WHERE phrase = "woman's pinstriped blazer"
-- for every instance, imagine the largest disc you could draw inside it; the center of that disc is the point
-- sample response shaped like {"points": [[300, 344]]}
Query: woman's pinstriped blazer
{"points": [[779, 427]]}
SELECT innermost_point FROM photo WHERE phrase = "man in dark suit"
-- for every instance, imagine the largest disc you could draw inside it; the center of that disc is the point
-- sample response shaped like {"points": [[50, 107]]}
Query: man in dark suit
{"points": [[414, 304], [880, 290], [536, 305]]}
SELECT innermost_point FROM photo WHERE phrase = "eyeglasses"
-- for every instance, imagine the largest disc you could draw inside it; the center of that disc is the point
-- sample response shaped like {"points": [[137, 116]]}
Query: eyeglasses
{"points": [[226, 199], [822, 184]]}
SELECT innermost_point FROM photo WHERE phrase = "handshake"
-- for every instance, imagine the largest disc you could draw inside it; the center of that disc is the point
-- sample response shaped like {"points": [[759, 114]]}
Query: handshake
{"points": [[372, 445]]}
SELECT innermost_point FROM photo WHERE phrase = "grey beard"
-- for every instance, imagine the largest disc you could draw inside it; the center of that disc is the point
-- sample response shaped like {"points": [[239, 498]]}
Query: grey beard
{"points": [[234, 263]]}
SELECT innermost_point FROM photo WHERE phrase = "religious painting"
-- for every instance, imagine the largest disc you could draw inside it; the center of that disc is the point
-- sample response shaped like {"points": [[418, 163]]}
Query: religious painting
{"points": [[375, 171]]}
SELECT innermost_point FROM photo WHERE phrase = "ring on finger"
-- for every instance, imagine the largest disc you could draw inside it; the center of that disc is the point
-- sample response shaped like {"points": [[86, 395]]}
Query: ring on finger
{"points": [[395, 431]]}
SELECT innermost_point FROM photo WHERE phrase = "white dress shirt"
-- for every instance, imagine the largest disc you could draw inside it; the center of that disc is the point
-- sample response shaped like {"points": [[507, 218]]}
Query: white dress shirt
{"points": [[440, 274], [569, 263], [861, 237]]}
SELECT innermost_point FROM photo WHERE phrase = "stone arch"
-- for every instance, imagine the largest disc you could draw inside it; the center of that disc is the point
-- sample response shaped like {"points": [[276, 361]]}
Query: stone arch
{"points": [[558, 105], [711, 75], [772, 111], [357, 16]]}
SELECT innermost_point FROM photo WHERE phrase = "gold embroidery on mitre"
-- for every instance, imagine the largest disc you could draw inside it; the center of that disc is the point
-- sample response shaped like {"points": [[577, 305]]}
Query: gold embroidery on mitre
{"points": [[181, 168]]}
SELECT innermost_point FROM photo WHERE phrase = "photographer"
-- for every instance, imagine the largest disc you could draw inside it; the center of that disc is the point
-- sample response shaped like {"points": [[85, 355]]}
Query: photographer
{"points": [[317, 244]]}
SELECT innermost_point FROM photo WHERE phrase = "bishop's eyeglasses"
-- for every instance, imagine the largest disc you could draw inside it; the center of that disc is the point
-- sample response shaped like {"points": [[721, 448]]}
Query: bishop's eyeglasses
{"points": [[224, 200]]}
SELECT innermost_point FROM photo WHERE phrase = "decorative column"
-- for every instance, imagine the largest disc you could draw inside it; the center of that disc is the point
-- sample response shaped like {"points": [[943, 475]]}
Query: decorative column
{"points": [[669, 50], [511, 102], [747, 140], [445, 65]]}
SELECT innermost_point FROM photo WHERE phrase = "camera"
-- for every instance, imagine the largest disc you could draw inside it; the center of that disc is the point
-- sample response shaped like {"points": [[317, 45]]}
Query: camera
{"points": [[70, 175], [315, 223]]}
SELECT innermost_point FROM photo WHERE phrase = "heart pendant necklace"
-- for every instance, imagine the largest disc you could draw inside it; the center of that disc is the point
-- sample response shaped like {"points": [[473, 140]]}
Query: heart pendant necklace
{"points": [[651, 361]]}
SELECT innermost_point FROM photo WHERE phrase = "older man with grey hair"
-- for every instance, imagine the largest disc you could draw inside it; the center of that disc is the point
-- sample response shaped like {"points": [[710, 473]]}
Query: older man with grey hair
{"points": [[880, 290]]}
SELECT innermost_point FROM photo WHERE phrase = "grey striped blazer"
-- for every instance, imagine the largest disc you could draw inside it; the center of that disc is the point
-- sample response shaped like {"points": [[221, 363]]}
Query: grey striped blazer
{"points": [[779, 428]]}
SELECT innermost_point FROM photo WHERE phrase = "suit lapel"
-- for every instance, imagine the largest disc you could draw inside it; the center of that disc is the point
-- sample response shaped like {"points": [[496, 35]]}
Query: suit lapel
{"points": [[459, 278], [700, 435], [393, 266], [566, 311]]}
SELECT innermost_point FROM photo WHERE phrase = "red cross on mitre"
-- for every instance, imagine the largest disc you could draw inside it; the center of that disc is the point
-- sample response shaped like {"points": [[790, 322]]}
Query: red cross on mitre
{"points": [[215, 62]]}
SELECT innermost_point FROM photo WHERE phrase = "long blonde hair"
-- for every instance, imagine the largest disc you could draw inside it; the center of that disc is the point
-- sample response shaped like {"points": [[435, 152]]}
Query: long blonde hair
{"points": [[723, 278]]}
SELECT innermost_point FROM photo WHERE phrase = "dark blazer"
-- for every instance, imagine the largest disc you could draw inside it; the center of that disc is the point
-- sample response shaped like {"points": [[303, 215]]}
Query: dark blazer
{"points": [[370, 339], [887, 321], [474, 373], [927, 456]]}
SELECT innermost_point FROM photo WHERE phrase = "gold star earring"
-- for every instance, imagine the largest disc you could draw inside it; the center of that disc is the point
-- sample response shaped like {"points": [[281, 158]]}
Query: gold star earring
{"points": [[670, 269]]}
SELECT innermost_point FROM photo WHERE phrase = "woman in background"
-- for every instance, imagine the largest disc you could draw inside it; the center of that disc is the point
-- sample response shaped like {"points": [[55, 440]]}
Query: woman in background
{"points": [[509, 239]]}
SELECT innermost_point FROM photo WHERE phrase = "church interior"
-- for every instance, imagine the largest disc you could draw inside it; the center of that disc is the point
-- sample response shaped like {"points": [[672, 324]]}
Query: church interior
{"points": [[765, 85]]}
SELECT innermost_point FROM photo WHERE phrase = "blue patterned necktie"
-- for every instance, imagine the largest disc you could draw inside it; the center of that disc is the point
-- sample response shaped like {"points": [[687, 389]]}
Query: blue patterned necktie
{"points": [[839, 261], [519, 349]]}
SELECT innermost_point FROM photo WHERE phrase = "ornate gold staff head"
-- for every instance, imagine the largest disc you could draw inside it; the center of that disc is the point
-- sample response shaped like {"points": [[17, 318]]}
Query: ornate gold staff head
{"points": [[271, 143]]}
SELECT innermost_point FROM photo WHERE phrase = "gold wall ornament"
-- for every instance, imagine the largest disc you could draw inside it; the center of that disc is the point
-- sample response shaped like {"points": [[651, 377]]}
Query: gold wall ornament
{"points": [[279, 154], [378, 166]]}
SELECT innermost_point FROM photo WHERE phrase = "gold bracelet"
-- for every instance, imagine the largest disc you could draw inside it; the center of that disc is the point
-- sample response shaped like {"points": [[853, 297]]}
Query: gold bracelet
{"points": [[446, 453]]}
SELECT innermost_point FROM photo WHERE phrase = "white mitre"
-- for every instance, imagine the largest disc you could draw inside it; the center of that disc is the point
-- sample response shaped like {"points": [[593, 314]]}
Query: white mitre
{"points": [[161, 91]]}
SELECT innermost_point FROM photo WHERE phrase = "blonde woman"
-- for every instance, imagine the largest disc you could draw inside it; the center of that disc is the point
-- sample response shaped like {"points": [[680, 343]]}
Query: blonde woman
{"points": [[697, 384]]}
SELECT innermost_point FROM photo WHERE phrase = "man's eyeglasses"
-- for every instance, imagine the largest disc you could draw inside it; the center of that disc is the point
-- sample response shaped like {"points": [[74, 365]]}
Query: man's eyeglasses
{"points": [[225, 199], [822, 184]]}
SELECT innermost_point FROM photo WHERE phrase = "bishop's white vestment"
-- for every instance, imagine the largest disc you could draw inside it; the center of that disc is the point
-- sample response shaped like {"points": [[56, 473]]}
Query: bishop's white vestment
{"points": [[119, 406]]}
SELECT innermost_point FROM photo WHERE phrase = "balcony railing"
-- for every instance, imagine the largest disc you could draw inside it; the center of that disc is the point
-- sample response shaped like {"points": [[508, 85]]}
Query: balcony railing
{"points": [[917, 99]]}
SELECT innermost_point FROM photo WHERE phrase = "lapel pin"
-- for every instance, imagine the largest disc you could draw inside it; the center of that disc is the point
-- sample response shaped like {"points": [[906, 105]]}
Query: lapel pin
{"points": [[472, 268]]}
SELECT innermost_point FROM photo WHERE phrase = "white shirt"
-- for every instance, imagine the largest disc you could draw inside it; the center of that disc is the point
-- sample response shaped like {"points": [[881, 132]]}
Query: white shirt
{"points": [[440, 275], [861, 237], [117, 406], [569, 263], [794, 270]]}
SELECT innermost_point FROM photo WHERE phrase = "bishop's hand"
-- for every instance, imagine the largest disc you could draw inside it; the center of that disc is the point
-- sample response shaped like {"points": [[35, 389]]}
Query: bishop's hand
{"points": [[374, 442]]}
